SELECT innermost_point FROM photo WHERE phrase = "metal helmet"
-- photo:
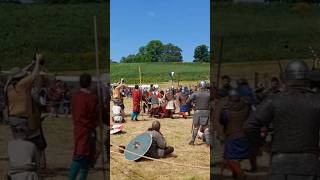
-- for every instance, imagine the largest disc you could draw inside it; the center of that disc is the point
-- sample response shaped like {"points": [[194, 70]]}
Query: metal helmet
{"points": [[233, 92], [234, 95], [296, 70], [155, 125], [202, 85]]}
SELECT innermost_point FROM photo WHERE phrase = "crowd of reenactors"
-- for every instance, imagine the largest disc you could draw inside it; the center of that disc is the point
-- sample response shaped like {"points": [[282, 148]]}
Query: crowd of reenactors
{"points": [[28, 97], [165, 104], [283, 119], [54, 98]]}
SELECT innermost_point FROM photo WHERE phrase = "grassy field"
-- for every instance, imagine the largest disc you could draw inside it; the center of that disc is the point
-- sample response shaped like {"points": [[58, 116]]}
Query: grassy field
{"points": [[260, 32], [191, 73], [58, 132], [63, 32], [177, 134], [59, 136], [159, 72]]}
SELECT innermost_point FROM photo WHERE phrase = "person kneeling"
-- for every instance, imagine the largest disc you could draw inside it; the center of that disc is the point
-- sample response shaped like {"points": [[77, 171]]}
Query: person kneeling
{"points": [[23, 156], [117, 114], [158, 147]]}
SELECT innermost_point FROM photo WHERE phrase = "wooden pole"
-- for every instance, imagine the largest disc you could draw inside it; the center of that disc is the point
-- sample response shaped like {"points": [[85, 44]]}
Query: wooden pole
{"points": [[256, 80], [219, 63], [101, 129], [141, 90], [140, 77]]}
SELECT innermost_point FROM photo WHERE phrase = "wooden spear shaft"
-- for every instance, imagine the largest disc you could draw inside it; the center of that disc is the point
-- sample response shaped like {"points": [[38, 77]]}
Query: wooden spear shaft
{"points": [[101, 130], [219, 63], [140, 76], [140, 89]]}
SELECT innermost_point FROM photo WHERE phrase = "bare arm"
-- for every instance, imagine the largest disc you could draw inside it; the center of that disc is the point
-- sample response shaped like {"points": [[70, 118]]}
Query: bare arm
{"points": [[36, 68]]}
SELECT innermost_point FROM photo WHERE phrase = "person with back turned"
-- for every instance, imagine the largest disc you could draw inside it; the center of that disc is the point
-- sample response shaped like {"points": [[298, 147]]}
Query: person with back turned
{"points": [[136, 100], [294, 114], [201, 115]]}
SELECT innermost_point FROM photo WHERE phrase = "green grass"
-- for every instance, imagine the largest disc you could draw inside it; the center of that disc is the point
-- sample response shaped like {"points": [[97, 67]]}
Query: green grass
{"points": [[254, 32], [64, 33], [159, 72]]}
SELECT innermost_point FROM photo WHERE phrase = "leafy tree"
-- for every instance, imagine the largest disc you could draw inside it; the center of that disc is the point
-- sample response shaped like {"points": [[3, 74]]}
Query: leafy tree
{"points": [[129, 59], [201, 54], [171, 53], [153, 50]]}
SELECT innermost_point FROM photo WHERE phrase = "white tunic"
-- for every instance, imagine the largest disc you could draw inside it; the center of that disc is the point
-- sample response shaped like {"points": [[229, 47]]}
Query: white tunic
{"points": [[23, 160]]}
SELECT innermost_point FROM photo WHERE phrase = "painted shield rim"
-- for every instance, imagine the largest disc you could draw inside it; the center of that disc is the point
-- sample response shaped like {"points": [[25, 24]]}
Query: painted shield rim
{"points": [[149, 145], [118, 128]]}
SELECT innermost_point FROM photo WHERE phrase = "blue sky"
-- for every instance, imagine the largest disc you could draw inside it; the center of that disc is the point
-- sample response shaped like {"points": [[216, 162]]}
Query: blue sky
{"points": [[133, 23]]}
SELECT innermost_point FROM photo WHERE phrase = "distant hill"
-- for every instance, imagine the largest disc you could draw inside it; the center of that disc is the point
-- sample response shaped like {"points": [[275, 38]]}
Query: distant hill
{"points": [[63, 32], [260, 32]]}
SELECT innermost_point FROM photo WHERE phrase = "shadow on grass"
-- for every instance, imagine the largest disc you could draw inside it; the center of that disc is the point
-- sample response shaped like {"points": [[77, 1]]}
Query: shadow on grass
{"points": [[166, 157]]}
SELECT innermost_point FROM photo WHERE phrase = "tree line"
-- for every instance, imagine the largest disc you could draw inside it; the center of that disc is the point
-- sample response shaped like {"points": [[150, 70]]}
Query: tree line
{"points": [[156, 51]]}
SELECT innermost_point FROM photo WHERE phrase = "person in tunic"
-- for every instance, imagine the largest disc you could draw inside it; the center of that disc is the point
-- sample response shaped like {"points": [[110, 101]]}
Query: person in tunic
{"points": [[155, 104], [182, 101], [21, 105], [136, 99], [117, 114], [226, 87], [159, 148], [84, 115], [294, 114], [237, 147], [170, 105], [201, 115], [23, 156]]}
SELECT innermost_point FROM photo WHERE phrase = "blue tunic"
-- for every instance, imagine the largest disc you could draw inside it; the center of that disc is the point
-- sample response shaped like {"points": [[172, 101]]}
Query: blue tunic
{"points": [[237, 149]]}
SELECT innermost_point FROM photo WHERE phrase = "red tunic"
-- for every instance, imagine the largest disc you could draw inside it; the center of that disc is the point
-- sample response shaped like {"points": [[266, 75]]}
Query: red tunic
{"points": [[84, 115], [136, 98]]}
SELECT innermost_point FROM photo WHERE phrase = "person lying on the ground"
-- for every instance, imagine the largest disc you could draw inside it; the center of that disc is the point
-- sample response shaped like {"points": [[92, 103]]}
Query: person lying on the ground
{"points": [[23, 156], [158, 147]]}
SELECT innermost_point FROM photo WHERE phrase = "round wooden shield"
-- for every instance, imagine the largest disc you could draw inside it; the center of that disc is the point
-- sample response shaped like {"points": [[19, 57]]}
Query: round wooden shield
{"points": [[138, 147]]}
